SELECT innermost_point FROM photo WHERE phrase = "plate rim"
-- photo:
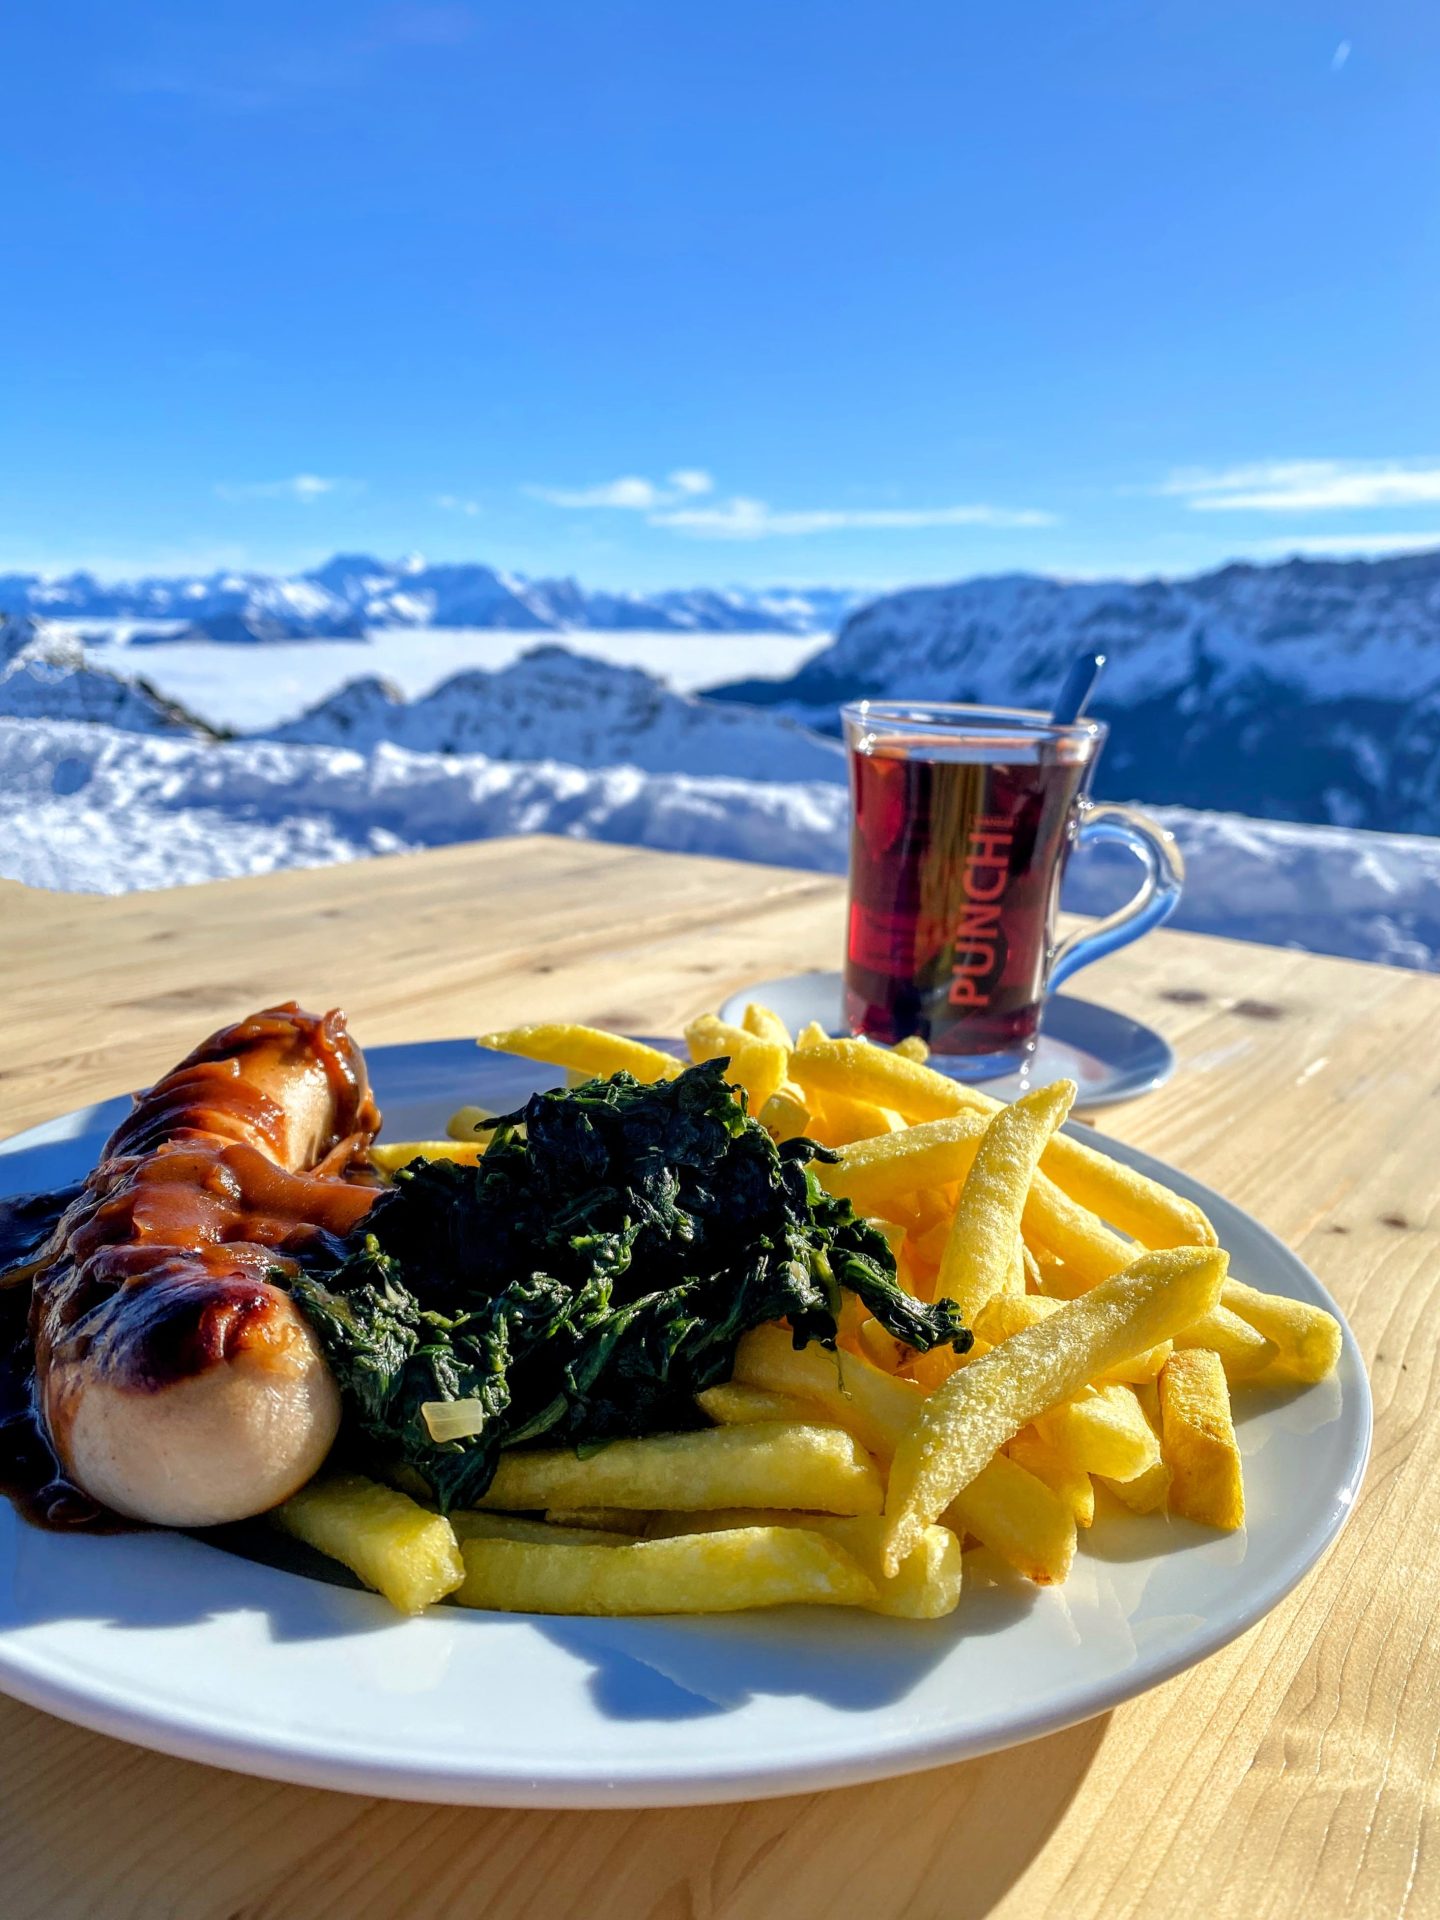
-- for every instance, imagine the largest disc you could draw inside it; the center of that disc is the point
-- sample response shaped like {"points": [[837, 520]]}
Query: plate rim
{"points": [[289, 1754]]}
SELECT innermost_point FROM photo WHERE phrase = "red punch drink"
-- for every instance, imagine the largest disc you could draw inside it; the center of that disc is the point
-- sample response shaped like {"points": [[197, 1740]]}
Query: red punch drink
{"points": [[963, 821]]}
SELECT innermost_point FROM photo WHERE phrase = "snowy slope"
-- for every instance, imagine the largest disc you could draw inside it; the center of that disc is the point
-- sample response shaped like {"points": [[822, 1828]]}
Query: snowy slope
{"points": [[1309, 690], [104, 810], [353, 591], [45, 676], [133, 811], [552, 704]]}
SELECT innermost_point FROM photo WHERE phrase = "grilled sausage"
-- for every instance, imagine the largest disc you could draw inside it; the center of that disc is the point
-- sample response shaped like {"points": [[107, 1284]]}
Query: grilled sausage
{"points": [[177, 1383]]}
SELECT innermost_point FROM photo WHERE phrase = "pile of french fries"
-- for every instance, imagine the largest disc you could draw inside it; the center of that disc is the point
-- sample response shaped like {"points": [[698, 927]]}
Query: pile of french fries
{"points": [[1109, 1336]]}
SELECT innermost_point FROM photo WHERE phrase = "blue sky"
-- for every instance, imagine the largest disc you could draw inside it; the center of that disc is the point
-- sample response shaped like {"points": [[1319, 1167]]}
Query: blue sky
{"points": [[661, 294]]}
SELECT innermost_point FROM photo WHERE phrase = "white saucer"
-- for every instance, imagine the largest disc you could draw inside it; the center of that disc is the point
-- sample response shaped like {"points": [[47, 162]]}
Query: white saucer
{"points": [[1108, 1055]]}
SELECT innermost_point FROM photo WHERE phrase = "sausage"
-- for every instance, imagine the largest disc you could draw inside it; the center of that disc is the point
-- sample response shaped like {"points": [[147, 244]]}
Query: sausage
{"points": [[177, 1383]]}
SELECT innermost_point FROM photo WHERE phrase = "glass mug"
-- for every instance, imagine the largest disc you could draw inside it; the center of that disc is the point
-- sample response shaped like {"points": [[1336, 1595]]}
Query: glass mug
{"points": [[963, 821]]}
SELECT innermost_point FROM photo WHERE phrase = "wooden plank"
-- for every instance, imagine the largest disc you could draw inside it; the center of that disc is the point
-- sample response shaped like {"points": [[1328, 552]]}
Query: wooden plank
{"points": [[1294, 1772]]}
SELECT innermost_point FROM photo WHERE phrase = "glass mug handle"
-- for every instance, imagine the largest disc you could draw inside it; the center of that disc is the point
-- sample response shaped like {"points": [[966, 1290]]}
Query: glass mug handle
{"points": [[1102, 823]]}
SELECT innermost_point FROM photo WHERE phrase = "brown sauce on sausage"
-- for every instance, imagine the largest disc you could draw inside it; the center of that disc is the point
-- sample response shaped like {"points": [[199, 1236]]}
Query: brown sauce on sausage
{"points": [[30, 1476], [164, 1262]]}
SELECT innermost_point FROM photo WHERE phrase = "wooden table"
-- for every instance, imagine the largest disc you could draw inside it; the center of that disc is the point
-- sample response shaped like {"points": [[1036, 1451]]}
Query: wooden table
{"points": [[1293, 1773]]}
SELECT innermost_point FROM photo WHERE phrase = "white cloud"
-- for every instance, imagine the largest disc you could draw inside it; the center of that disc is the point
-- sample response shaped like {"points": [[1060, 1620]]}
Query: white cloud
{"points": [[630, 492], [675, 505], [743, 519], [1355, 543], [1340, 56], [1322, 486], [452, 503], [305, 487]]}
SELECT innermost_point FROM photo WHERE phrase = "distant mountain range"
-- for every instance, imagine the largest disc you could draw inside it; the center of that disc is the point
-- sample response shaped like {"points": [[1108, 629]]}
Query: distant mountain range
{"points": [[1305, 691], [355, 591], [550, 705], [1308, 690]]}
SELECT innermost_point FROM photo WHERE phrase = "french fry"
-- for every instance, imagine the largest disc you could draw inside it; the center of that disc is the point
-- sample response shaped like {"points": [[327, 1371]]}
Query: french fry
{"points": [[981, 1249], [926, 1587], [615, 1522], [912, 1047], [1197, 1436], [1056, 1281], [1071, 1483], [926, 1584], [762, 1463], [1090, 1251], [470, 1524], [929, 1245], [1102, 1430], [1243, 1350], [708, 1036], [1128, 1200], [1148, 1492], [964, 1423], [933, 1369], [1014, 1281], [785, 1115], [934, 1207], [467, 1123], [1016, 1515], [723, 1572], [1006, 1315], [876, 1175], [584, 1050], [759, 1066], [877, 1074], [878, 1344], [766, 1025], [733, 1404], [839, 1121], [397, 1547], [1307, 1339], [876, 1407], [389, 1156]]}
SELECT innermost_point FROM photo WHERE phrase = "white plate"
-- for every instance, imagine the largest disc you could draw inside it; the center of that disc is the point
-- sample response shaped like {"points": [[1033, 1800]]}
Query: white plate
{"points": [[1110, 1056], [166, 1640]]}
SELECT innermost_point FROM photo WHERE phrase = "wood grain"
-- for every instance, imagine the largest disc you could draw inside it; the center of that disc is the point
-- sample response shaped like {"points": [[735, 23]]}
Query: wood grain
{"points": [[1295, 1772]]}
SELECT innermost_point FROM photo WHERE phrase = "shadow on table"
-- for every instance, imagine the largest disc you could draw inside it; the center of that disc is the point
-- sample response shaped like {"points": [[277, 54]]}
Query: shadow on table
{"points": [[952, 1841]]}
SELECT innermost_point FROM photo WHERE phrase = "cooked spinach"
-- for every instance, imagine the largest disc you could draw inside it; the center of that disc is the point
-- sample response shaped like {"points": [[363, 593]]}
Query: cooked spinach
{"points": [[592, 1274]]}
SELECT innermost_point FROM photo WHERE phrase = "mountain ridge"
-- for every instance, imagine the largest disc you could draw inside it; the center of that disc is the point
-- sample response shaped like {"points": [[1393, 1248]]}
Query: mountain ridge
{"points": [[349, 592], [1305, 690], [555, 705]]}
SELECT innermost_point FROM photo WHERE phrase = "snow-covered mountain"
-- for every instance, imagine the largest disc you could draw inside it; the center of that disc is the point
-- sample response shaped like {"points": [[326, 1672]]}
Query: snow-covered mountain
{"points": [[552, 704], [45, 676], [99, 809], [1304, 691], [135, 811], [353, 591]]}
